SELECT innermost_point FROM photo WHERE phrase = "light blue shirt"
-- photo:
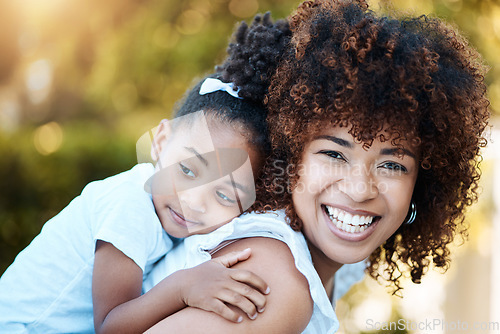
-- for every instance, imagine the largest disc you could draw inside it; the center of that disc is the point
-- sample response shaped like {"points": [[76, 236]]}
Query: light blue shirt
{"points": [[48, 287]]}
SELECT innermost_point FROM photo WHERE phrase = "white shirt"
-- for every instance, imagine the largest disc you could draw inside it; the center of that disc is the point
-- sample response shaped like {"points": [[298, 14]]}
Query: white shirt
{"points": [[48, 287], [194, 250]]}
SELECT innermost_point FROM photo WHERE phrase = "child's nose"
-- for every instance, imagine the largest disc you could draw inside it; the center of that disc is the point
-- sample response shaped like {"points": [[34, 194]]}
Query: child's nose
{"points": [[193, 200]]}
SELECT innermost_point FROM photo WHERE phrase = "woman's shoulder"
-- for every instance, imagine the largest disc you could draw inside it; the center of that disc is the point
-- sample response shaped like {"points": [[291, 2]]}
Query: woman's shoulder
{"points": [[289, 305], [270, 236], [267, 224]]}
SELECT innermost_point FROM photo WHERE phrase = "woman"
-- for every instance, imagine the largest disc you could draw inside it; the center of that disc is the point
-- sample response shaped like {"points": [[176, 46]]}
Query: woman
{"points": [[376, 125]]}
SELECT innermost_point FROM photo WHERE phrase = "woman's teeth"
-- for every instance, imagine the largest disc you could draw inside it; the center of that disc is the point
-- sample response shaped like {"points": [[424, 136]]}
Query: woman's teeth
{"points": [[348, 222]]}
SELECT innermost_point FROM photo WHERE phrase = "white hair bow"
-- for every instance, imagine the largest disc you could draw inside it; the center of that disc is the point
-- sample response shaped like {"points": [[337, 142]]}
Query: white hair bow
{"points": [[211, 85]]}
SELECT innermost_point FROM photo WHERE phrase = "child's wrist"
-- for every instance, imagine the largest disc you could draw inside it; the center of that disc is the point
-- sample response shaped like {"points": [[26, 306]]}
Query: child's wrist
{"points": [[180, 280]]}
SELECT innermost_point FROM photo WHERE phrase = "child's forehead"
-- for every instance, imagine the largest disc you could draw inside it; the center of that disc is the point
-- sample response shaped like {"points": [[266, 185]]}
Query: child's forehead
{"points": [[208, 130], [198, 122], [198, 119], [193, 128]]}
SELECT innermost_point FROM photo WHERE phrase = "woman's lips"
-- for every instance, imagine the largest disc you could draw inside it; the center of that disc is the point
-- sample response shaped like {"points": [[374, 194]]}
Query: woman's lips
{"points": [[347, 221], [348, 226]]}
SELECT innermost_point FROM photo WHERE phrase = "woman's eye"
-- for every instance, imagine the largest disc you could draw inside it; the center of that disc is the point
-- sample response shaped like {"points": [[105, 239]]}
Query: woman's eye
{"points": [[224, 197], [333, 154], [186, 171], [395, 167]]}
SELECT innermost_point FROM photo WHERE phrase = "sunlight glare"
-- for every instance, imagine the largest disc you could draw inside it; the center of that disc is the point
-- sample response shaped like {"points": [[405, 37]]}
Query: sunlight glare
{"points": [[40, 8], [39, 80]]}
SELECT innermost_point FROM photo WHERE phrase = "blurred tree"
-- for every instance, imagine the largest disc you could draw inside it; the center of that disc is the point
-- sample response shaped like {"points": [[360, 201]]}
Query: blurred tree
{"points": [[9, 32], [82, 81]]}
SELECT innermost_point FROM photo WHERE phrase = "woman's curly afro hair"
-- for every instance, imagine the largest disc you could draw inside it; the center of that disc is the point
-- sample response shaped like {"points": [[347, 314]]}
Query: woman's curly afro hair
{"points": [[418, 79]]}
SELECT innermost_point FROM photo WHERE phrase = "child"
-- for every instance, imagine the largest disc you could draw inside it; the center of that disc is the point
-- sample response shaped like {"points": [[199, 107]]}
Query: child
{"points": [[94, 254]]}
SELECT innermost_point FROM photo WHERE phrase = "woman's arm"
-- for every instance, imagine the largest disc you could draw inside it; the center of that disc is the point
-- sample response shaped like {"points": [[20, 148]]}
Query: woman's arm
{"points": [[289, 305]]}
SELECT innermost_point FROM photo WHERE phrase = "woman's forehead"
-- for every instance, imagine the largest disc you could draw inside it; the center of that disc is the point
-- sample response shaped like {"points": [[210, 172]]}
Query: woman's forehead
{"points": [[353, 133]]}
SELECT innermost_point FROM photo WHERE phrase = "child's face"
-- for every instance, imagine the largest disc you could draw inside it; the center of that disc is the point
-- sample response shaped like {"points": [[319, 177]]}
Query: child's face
{"points": [[203, 177]]}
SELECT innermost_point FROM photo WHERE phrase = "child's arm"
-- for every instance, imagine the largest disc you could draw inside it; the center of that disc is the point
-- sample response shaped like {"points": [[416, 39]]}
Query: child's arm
{"points": [[119, 306], [212, 287], [289, 305]]}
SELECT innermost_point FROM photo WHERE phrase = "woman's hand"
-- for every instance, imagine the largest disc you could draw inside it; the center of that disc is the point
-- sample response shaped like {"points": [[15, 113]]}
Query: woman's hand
{"points": [[213, 285]]}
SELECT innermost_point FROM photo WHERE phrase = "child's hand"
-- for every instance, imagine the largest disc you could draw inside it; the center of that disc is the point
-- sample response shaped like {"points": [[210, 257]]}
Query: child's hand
{"points": [[212, 284]]}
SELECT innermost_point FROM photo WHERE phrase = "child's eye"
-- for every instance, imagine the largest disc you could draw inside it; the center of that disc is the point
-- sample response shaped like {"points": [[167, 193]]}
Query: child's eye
{"points": [[333, 154], [186, 171], [224, 197], [393, 166]]}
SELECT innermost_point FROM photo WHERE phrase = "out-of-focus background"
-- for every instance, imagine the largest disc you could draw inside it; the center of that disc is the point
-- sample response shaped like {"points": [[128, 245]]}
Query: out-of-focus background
{"points": [[81, 81]]}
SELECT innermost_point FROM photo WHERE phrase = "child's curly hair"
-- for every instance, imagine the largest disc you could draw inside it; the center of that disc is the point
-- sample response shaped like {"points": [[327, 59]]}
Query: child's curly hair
{"points": [[253, 55], [417, 76]]}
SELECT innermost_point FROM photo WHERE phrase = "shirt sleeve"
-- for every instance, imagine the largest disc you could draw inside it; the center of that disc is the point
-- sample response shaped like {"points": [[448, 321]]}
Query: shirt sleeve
{"points": [[124, 215]]}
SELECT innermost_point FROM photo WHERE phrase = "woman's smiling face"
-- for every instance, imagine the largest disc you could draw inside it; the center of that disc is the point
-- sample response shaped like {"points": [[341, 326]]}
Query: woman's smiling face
{"points": [[352, 199]]}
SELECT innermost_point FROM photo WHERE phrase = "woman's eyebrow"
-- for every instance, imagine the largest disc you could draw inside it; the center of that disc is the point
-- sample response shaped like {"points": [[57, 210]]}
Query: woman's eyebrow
{"points": [[337, 140], [397, 151], [198, 155]]}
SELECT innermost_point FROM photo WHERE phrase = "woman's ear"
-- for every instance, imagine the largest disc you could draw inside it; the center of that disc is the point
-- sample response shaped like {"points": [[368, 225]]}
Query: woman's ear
{"points": [[163, 132]]}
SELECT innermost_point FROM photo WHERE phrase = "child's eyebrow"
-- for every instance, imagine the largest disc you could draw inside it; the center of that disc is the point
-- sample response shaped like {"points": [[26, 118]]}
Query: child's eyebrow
{"points": [[237, 185], [198, 155]]}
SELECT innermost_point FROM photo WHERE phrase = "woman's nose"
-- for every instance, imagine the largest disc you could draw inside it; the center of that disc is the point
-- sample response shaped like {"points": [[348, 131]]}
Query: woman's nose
{"points": [[193, 199], [359, 185]]}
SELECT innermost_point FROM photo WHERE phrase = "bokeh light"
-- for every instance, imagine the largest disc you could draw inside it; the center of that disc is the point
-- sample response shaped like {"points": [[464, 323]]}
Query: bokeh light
{"points": [[190, 22], [243, 8], [39, 80], [48, 138], [378, 307]]}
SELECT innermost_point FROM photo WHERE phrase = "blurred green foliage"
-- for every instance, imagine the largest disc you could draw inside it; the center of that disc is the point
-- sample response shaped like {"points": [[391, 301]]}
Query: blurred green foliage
{"points": [[80, 81]]}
